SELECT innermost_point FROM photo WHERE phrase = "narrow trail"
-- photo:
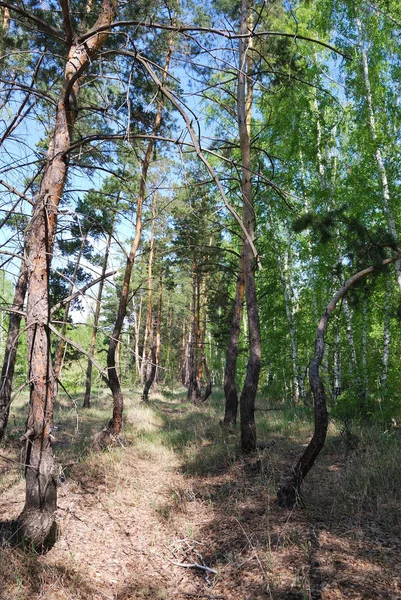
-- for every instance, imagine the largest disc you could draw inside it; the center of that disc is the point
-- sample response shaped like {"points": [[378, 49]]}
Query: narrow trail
{"points": [[116, 523], [163, 497]]}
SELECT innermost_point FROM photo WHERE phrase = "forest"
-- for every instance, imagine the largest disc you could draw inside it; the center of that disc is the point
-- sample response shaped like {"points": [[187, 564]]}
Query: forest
{"points": [[200, 294]]}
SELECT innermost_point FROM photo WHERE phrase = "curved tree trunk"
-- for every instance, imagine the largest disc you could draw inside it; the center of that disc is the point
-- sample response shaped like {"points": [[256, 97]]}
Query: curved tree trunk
{"points": [[10, 355], [36, 523], [290, 488]]}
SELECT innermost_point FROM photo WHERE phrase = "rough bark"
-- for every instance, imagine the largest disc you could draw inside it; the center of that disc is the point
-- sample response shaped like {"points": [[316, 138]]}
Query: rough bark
{"points": [[10, 355], [244, 106], [88, 377], [230, 386], [289, 491], [37, 520]]}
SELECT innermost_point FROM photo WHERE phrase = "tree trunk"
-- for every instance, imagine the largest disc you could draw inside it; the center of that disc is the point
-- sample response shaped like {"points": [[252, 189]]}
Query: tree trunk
{"points": [[88, 378], [115, 424], [244, 107], [10, 355], [37, 521], [230, 386], [152, 374], [288, 493]]}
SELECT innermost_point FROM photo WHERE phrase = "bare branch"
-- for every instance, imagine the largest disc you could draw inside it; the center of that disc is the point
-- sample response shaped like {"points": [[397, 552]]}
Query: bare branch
{"points": [[11, 189], [82, 291], [82, 350], [188, 122]]}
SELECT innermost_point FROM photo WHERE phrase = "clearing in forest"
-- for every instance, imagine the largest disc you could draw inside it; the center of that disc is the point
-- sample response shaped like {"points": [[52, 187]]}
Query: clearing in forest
{"points": [[135, 520]]}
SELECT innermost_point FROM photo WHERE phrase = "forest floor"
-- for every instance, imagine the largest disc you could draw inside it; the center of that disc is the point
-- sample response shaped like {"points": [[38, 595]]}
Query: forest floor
{"points": [[177, 492]]}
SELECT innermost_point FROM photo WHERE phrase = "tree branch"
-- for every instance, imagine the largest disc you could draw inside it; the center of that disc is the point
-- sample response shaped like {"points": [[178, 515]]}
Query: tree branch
{"points": [[40, 22], [230, 35], [82, 291], [67, 22], [80, 349]]}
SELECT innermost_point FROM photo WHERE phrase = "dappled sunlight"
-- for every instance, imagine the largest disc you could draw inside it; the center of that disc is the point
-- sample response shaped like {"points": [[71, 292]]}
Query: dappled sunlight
{"points": [[176, 490]]}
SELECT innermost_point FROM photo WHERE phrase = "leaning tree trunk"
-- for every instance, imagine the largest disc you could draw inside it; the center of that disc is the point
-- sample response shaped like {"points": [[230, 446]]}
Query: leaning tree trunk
{"points": [[36, 524], [290, 488], [244, 106], [114, 427], [230, 370], [10, 355]]}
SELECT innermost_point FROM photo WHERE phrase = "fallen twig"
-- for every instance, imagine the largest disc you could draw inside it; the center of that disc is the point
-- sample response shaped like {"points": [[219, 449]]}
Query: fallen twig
{"points": [[199, 595], [193, 566]]}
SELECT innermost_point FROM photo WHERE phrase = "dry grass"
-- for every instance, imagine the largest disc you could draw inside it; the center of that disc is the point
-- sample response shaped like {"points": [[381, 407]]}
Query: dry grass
{"points": [[176, 489]]}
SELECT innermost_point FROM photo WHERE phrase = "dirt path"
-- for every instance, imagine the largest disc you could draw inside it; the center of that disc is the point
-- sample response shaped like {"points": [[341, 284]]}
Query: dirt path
{"points": [[127, 515]]}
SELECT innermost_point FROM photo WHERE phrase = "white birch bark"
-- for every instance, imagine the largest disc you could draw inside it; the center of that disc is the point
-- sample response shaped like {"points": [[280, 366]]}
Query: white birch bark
{"points": [[378, 151]]}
